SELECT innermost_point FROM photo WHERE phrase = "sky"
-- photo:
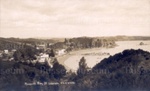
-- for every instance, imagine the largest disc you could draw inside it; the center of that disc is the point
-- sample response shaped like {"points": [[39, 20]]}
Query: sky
{"points": [[74, 18]]}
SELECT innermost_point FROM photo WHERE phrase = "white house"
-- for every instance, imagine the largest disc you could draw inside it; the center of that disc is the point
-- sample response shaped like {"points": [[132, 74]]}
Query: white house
{"points": [[6, 51], [61, 52], [13, 50], [43, 57]]}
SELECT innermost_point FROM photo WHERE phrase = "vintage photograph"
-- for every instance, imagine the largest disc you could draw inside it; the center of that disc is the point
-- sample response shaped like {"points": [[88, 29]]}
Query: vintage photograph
{"points": [[74, 45]]}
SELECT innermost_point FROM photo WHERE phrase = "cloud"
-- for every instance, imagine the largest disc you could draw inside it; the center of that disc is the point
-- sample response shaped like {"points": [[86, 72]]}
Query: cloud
{"points": [[77, 17]]}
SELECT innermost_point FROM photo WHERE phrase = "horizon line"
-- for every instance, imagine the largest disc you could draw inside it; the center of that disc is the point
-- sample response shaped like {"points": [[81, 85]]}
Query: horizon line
{"points": [[76, 37]]}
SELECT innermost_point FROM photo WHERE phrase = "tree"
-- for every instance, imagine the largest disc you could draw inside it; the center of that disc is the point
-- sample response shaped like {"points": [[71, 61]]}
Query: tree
{"points": [[66, 41], [58, 70], [30, 53], [27, 53], [82, 67], [52, 53], [17, 55]]}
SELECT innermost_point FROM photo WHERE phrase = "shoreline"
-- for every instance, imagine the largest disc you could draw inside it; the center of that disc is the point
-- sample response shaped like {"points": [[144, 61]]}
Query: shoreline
{"points": [[122, 45], [63, 58]]}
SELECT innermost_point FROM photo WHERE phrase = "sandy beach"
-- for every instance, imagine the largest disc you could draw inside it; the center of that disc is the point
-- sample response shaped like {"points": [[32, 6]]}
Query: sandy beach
{"points": [[76, 54]]}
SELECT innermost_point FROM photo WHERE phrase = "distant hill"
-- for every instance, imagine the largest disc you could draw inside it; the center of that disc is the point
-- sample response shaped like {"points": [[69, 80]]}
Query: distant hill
{"points": [[78, 42], [15, 43], [32, 40], [127, 38], [59, 43], [84, 42]]}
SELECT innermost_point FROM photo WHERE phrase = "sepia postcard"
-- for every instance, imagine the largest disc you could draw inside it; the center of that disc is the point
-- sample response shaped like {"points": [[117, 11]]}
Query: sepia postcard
{"points": [[74, 45]]}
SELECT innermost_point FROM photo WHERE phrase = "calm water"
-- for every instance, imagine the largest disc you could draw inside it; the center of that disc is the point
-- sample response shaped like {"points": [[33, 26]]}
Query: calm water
{"points": [[93, 57]]}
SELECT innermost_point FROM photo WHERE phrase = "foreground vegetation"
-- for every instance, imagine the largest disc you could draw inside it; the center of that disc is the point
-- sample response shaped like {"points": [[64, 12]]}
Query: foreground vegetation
{"points": [[124, 71]]}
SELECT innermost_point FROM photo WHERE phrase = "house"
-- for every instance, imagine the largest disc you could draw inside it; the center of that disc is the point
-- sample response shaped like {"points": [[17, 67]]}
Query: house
{"points": [[40, 47], [43, 57], [6, 51], [61, 52], [13, 50], [11, 59]]}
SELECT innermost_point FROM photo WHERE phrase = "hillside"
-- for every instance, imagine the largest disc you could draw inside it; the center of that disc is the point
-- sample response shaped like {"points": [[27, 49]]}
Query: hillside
{"points": [[78, 42], [16, 43], [126, 71], [84, 42], [15, 75]]}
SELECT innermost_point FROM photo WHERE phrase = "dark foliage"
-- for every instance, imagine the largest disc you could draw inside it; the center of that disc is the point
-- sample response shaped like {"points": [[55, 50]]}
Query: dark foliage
{"points": [[126, 71], [26, 53], [52, 53], [58, 70], [82, 71], [14, 75]]}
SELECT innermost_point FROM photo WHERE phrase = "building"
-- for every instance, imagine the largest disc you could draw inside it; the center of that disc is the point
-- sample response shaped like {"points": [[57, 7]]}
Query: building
{"points": [[61, 52], [6, 51], [43, 57]]}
